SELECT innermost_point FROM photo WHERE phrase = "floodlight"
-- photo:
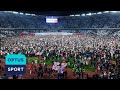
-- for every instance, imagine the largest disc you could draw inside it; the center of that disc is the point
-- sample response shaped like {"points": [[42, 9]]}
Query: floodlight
{"points": [[83, 15], [77, 15], [99, 13], [89, 14]]}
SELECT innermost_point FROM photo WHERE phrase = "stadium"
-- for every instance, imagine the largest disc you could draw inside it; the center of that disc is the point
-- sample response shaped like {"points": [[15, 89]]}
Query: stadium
{"points": [[62, 45]]}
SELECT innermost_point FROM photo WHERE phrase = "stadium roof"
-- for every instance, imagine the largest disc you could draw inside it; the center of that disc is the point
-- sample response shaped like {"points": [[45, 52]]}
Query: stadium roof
{"points": [[58, 13]]}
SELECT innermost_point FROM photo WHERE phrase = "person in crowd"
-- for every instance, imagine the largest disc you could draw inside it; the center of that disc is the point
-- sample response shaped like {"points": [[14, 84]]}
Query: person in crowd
{"points": [[0, 60], [5, 76], [49, 72], [60, 71], [35, 68], [14, 77], [45, 68], [31, 68]]}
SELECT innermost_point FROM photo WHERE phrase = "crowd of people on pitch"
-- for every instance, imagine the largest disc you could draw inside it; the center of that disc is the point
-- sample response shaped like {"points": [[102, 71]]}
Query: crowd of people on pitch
{"points": [[96, 51]]}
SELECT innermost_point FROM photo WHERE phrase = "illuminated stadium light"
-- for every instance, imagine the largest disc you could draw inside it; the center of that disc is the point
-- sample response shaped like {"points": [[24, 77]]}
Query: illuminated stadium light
{"points": [[106, 11], [10, 11], [27, 14], [15, 12], [5, 11], [114, 11], [94, 13], [71, 15], [89, 14], [99, 13], [83, 15], [33, 14], [77, 15], [21, 13]]}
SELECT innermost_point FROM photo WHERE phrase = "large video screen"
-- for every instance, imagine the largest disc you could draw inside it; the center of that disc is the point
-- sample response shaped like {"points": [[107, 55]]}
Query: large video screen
{"points": [[51, 19]]}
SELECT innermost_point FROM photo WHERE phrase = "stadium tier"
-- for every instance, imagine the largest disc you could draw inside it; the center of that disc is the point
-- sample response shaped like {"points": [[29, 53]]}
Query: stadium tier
{"points": [[62, 47]]}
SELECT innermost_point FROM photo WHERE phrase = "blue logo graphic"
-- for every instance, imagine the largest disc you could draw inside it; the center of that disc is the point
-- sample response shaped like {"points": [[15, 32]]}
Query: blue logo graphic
{"points": [[15, 64], [15, 69], [15, 59]]}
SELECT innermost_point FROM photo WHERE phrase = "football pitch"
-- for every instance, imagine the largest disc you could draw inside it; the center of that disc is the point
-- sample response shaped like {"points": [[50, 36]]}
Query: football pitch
{"points": [[71, 64]]}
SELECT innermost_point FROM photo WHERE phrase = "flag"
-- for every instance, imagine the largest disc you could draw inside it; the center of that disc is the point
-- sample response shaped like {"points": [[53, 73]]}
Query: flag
{"points": [[56, 64], [54, 67], [38, 53]]}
